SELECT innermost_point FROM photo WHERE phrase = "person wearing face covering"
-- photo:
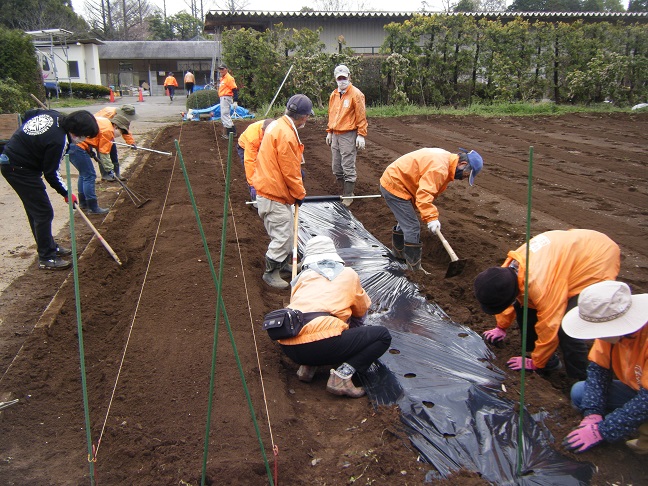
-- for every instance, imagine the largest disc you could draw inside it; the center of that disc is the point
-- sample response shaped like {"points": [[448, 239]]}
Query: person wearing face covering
{"points": [[614, 396], [335, 333], [278, 182], [35, 151], [346, 130], [413, 182]]}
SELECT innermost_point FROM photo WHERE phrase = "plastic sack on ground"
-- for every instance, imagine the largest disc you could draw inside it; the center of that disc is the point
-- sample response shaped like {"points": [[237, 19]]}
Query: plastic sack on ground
{"points": [[439, 372], [214, 112]]}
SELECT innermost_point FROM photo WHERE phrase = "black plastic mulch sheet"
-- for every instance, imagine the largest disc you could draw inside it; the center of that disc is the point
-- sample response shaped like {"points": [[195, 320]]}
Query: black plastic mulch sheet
{"points": [[439, 372]]}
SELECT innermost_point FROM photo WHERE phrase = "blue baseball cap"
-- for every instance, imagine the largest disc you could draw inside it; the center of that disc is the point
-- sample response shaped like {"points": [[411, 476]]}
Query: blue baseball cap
{"points": [[476, 164], [300, 104]]}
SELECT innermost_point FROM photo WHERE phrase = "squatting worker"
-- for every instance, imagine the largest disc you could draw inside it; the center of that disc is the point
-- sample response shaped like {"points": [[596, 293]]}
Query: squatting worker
{"points": [[128, 112], [228, 93], [248, 149], [347, 129], [170, 84], [278, 183], [413, 182], [34, 151], [189, 81], [338, 336], [562, 264], [614, 396]]}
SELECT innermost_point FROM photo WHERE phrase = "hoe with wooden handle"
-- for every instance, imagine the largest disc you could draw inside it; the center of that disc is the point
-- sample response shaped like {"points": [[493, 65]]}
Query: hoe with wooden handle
{"points": [[456, 266]]}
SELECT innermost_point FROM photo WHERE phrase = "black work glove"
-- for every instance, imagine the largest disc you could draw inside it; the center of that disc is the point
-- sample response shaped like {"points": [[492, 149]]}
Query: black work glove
{"points": [[299, 202]]}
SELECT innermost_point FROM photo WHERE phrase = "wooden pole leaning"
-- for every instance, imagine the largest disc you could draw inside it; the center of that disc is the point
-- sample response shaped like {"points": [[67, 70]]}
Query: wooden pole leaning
{"points": [[98, 235]]}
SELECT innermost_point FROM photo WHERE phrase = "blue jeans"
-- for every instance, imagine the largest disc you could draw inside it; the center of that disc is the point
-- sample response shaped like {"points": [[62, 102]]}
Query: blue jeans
{"points": [[81, 160], [618, 394]]}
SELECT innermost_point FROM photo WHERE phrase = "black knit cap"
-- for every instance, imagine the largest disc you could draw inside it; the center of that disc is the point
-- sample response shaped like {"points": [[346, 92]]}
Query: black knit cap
{"points": [[496, 289]]}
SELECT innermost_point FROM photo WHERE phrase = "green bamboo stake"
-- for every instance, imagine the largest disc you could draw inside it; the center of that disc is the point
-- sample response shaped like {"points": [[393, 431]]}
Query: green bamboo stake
{"points": [[525, 317], [220, 305], [77, 300]]}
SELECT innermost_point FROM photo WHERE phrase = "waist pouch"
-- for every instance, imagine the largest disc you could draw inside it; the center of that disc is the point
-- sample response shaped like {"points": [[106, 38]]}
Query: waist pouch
{"points": [[287, 323]]}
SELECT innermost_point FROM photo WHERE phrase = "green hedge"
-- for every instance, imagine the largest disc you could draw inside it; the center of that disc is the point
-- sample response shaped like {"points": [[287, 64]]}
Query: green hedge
{"points": [[82, 90], [205, 98]]}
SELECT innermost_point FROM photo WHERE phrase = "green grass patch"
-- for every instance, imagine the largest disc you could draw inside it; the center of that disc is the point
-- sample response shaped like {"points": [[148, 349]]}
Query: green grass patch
{"points": [[64, 102]]}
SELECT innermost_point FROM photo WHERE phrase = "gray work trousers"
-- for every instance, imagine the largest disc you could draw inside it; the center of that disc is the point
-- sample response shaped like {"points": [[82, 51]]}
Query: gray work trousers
{"points": [[225, 104], [343, 150], [278, 219], [406, 216]]}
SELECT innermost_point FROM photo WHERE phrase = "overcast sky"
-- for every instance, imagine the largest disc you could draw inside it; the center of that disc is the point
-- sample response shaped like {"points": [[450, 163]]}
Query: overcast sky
{"points": [[175, 6]]}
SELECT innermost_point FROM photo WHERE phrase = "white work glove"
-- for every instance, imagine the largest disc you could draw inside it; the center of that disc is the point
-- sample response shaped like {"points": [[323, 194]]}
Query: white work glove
{"points": [[434, 226], [235, 105], [329, 138], [360, 142]]}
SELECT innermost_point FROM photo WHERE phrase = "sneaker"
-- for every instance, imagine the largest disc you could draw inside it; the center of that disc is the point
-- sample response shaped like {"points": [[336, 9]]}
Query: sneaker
{"points": [[306, 373], [55, 263], [62, 251], [343, 386]]}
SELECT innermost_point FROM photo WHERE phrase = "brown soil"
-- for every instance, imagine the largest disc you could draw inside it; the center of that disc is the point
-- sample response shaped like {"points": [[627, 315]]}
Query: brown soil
{"points": [[148, 326]]}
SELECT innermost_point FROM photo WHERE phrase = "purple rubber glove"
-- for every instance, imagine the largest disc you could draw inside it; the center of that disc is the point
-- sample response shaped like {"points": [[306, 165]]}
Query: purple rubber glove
{"points": [[516, 364], [583, 438], [494, 335], [591, 419]]}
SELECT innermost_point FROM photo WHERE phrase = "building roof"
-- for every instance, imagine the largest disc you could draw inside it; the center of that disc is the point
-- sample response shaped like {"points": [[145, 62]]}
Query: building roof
{"points": [[157, 50]]}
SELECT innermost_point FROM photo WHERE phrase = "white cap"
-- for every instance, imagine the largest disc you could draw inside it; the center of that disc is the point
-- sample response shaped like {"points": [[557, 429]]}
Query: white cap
{"points": [[320, 248], [341, 70]]}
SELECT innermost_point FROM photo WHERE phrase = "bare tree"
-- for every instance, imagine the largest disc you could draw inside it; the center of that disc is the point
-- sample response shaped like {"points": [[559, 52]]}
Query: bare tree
{"points": [[340, 5], [492, 5], [231, 6], [119, 19]]}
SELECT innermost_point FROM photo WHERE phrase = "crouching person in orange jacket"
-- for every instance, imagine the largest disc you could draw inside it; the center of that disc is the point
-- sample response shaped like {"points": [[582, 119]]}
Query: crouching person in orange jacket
{"points": [[562, 264], [325, 285]]}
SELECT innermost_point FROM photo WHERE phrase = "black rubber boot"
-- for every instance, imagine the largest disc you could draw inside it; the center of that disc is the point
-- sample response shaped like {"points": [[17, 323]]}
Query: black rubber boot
{"points": [[272, 277], [82, 202], [398, 243], [93, 207], [413, 252], [348, 191]]}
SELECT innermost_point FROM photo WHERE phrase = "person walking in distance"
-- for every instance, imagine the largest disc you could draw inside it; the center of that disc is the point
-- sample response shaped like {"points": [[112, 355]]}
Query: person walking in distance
{"points": [[346, 130], [413, 182], [564, 263], [278, 182], [170, 84], [228, 94], [333, 296], [35, 151], [189, 81]]}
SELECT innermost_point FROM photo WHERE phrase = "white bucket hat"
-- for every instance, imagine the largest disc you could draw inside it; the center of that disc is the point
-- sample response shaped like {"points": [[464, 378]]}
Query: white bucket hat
{"points": [[320, 248], [606, 309]]}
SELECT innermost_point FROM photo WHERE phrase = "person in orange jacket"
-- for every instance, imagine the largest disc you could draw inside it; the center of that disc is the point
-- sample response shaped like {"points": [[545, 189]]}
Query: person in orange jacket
{"points": [[413, 182], [346, 130], [614, 396], [228, 93], [335, 333], [278, 182], [128, 113], [248, 149], [562, 264], [170, 84]]}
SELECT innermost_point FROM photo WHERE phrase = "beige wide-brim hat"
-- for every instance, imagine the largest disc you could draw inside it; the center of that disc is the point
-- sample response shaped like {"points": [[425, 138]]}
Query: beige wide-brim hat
{"points": [[606, 309], [320, 248]]}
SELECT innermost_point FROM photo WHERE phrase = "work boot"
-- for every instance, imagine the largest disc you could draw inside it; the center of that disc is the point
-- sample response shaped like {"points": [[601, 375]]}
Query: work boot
{"points": [[348, 191], [412, 253], [93, 207], [55, 263], [108, 177], [82, 201], [398, 243], [306, 373], [62, 251], [343, 386], [640, 445], [272, 276]]}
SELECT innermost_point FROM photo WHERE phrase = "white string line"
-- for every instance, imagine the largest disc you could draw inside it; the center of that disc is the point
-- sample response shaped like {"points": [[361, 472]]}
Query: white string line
{"points": [[139, 300], [247, 295]]}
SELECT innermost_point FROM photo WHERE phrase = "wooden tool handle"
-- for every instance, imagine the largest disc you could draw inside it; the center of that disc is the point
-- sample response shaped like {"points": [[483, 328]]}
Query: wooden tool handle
{"points": [[446, 245], [98, 235]]}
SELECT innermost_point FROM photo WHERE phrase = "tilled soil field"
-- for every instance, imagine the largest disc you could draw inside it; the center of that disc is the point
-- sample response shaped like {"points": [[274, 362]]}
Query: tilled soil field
{"points": [[148, 326]]}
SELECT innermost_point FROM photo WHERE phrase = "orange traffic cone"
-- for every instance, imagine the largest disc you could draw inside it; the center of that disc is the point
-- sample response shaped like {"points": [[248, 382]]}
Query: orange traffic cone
{"points": [[141, 98], [112, 96]]}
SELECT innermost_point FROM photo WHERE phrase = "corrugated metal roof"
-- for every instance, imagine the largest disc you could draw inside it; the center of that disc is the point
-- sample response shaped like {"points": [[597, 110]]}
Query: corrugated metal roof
{"points": [[157, 50]]}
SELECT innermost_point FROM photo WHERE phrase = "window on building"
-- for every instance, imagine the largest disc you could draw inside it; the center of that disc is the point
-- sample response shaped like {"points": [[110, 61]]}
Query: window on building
{"points": [[73, 67]]}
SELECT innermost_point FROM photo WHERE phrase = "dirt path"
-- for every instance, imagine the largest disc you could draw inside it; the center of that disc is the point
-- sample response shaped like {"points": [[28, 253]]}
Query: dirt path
{"points": [[589, 171]]}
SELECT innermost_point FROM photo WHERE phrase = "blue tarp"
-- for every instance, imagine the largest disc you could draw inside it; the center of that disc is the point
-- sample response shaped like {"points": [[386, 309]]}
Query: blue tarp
{"points": [[194, 115], [439, 372]]}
